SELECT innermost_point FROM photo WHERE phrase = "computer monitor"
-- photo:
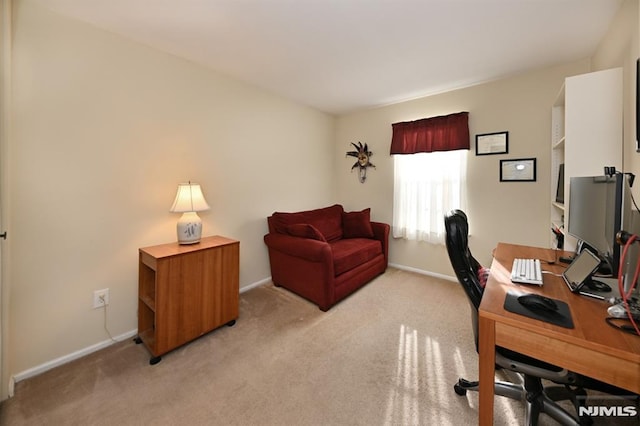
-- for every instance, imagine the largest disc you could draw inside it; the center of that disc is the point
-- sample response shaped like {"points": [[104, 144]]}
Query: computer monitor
{"points": [[599, 207]]}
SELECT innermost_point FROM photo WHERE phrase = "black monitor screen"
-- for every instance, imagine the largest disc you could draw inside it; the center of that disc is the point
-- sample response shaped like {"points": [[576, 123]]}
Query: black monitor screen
{"points": [[596, 214]]}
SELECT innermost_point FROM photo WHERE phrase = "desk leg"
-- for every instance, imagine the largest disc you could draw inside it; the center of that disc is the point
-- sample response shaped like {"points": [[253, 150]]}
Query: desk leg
{"points": [[487, 369]]}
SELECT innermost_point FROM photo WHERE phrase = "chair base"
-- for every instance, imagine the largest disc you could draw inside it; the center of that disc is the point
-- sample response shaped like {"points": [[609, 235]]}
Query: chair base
{"points": [[538, 399], [506, 389]]}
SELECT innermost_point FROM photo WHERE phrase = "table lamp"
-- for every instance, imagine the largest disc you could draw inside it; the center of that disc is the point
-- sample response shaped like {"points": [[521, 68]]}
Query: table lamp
{"points": [[189, 200]]}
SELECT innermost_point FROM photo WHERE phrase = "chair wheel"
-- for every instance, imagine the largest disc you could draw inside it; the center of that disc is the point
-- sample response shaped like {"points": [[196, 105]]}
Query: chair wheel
{"points": [[459, 390]]}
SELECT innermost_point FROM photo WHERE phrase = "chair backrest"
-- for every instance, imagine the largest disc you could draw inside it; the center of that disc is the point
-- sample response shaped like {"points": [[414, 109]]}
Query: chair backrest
{"points": [[464, 264]]}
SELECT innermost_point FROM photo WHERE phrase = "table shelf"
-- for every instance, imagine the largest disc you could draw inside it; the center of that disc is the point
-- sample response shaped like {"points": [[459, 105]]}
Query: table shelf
{"points": [[185, 291]]}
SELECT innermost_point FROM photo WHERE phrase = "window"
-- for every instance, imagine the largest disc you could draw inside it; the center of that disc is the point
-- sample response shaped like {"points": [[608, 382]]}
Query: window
{"points": [[426, 186], [429, 174]]}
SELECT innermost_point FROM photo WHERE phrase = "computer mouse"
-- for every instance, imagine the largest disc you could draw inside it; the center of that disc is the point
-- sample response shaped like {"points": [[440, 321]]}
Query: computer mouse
{"points": [[538, 303]]}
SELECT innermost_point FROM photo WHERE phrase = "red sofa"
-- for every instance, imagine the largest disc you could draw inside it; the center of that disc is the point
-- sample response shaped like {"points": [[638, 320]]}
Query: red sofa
{"points": [[326, 254]]}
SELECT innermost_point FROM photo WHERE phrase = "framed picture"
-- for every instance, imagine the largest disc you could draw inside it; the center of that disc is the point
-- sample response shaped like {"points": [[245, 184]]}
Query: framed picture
{"points": [[492, 143], [519, 170]]}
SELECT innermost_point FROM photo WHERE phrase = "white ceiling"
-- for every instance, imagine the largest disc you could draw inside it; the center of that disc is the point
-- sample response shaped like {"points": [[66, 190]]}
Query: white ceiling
{"points": [[344, 55]]}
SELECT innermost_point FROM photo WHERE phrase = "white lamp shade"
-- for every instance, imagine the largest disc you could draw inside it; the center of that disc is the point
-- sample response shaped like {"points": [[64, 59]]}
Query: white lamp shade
{"points": [[189, 198]]}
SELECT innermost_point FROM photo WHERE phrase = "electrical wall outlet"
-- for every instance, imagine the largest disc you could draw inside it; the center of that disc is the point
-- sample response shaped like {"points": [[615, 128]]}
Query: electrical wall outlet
{"points": [[100, 298]]}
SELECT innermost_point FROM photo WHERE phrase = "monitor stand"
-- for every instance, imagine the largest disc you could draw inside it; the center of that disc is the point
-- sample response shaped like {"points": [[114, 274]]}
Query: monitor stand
{"points": [[596, 285], [602, 288]]}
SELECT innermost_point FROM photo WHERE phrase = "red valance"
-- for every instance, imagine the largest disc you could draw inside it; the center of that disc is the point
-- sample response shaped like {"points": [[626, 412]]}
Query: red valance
{"points": [[443, 133]]}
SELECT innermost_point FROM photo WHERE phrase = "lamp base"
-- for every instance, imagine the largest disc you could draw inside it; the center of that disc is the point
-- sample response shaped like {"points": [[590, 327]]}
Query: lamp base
{"points": [[189, 228]]}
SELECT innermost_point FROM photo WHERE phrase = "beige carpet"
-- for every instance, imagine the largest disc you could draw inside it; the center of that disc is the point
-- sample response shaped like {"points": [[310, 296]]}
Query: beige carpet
{"points": [[387, 355]]}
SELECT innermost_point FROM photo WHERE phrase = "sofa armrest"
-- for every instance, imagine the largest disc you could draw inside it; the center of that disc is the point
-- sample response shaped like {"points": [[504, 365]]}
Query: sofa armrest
{"points": [[381, 233], [304, 248]]}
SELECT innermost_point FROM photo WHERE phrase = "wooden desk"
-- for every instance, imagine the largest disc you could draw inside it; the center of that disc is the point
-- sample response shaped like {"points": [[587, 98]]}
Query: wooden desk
{"points": [[592, 348]]}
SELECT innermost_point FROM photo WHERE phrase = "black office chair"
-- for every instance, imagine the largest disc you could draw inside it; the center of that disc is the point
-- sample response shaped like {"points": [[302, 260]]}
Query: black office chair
{"points": [[538, 398]]}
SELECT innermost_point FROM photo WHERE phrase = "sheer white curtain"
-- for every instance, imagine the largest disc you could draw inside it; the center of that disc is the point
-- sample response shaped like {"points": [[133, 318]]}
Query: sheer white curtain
{"points": [[426, 186]]}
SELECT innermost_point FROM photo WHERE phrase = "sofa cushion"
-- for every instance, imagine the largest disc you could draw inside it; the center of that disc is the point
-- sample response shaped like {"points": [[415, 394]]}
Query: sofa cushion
{"points": [[305, 230], [327, 220], [357, 224], [351, 252], [483, 275]]}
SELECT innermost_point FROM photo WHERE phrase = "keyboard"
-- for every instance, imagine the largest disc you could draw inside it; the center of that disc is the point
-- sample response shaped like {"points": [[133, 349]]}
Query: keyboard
{"points": [[526, 271]]}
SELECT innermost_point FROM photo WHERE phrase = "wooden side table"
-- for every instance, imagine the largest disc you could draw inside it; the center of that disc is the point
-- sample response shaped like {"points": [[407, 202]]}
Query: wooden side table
{"points": [[185, 291]]}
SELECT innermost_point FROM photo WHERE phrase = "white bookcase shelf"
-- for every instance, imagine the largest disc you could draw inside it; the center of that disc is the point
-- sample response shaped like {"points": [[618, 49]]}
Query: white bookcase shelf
{"points": [[586, 136]]}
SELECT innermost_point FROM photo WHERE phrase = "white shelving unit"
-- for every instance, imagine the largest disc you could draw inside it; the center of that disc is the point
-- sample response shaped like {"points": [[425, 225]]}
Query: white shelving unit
{"points": [[557, 158], [586, 136]]}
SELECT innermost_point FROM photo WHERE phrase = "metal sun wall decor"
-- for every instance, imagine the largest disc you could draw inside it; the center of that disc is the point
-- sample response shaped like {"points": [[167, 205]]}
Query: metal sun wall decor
{"points": [[363, 154]]}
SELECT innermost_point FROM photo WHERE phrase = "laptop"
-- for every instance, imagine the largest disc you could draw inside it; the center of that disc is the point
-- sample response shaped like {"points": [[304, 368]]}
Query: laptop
{"points": [[580, 270]]}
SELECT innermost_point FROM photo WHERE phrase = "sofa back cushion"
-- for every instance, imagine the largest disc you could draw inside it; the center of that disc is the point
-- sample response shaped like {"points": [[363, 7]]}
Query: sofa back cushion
{"points": [[357, 224], [305, 230], [327, 220]]}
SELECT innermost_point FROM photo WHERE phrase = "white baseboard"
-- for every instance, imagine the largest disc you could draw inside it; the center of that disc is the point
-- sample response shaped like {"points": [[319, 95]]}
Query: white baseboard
{"points": [[39, 369], [423, 272], [254, 285], [12, 386]]}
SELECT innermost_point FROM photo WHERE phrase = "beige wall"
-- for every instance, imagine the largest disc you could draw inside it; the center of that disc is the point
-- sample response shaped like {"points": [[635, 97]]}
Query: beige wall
{"points": [[515, 212], [103, 131]]}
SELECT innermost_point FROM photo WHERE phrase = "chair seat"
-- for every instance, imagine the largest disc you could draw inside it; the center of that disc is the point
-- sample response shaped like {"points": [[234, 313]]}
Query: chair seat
{"points": [[351, 252], [516, 356]]}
